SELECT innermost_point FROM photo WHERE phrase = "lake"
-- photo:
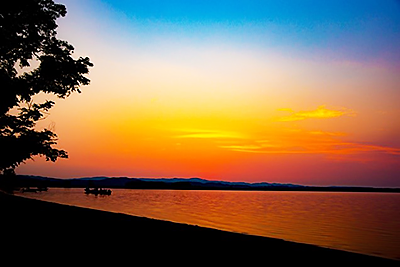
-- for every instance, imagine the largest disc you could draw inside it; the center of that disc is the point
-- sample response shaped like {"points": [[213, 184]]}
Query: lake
{"points": [[367, 223]]}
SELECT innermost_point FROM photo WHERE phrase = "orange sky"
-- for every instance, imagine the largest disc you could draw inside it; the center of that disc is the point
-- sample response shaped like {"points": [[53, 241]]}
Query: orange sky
{"points": [[173, 105]]}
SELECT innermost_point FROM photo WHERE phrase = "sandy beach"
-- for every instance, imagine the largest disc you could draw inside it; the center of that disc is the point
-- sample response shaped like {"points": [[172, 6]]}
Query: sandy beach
{"points": [[33, 226]]}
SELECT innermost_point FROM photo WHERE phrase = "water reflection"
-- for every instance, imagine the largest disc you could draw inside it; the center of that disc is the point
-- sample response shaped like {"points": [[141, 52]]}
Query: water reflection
{"points": [[368, 223]]}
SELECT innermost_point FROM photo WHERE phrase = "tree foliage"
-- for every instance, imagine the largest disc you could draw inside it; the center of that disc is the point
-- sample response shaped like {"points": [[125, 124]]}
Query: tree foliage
{"points": [[28, 37]]}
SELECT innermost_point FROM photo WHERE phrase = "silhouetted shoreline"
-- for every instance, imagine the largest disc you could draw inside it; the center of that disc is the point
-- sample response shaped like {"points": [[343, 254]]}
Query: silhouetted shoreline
{"points": [[183, 184], [34, 225]]}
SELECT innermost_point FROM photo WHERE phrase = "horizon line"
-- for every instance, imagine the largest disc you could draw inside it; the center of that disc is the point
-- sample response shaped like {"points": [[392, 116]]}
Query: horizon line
{"points": [[224, 181]]}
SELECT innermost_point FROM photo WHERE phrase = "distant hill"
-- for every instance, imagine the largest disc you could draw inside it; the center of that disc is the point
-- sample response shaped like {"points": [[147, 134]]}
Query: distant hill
{"points": [[180, 184]]}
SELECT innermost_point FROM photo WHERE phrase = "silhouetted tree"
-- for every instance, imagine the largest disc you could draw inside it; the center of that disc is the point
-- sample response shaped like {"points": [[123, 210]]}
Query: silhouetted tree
{"points": [[27, 39]]}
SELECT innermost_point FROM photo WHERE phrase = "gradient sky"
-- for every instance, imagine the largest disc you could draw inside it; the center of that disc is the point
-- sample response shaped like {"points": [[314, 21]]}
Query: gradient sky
{"points": [[303, 92]]}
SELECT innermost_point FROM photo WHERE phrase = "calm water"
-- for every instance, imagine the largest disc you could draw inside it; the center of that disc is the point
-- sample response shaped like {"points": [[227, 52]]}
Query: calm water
{"points": [[367, 223]]}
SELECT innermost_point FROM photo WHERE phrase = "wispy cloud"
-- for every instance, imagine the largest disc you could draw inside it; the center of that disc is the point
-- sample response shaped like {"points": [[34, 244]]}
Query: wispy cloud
{"points": [[310, 142], [251, 148], [332, 148], [321, 133], [320, 113], [210, 134]]}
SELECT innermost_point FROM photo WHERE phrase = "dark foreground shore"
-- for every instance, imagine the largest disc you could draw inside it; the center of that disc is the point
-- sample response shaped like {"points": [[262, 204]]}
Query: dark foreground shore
{"points": [[33, 227]]}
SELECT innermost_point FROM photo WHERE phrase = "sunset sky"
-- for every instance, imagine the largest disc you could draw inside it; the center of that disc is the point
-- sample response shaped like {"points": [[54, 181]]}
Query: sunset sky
{"points": [[304, 92]]}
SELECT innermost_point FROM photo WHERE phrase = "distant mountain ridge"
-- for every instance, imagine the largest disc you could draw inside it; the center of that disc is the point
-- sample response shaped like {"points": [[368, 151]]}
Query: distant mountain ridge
{"points": [[180, 184]]}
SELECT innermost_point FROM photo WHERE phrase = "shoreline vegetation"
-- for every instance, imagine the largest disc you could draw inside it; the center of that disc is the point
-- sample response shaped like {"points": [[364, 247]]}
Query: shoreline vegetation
{"points": [[35, 226], [21, 181]]}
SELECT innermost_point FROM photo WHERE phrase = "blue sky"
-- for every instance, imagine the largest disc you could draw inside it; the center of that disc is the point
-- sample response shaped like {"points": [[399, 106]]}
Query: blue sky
{"points": [[356, 30]]}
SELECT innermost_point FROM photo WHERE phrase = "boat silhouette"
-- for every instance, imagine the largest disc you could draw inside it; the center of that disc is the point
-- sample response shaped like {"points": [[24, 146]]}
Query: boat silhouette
{"points": [[97, 191]]}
